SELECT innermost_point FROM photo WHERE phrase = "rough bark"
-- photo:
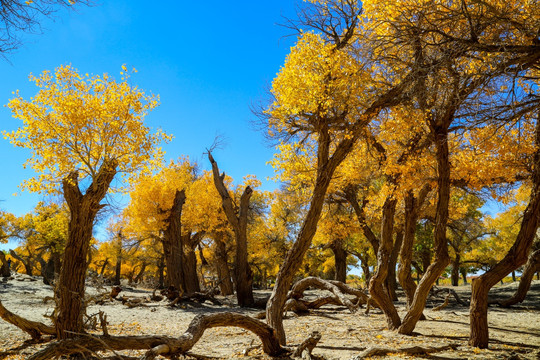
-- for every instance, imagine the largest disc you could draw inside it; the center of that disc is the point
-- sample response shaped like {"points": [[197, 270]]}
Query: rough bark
{"points": [[442, 259], [532, 266], [340, 260], [516, 256], [172, 243], [454, 276], [191, 276], [238, 219], [4, 268], [377, 287], [391, 282], [117, 270], [71, 284], [165, 345], [222, 267], [406, 252]]}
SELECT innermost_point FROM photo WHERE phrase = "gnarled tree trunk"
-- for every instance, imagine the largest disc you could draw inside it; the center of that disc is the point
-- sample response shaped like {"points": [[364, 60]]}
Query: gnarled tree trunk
{"points": [[340, 260], [222, 266], [532, 266], [377, 286], [432, 273], [172, 243], [4, 268], [391, 282], [516, 256], [71, 284], [238, 220]]}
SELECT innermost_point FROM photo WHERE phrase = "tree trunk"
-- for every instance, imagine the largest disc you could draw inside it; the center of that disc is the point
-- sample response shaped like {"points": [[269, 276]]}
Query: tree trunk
{"points": [[432, 273], [340, 259], [222, 267], [293, 260], [406, 252], [4, 267], [117, 270], [532, 266], [455, 270], [161, 272], [191, 277], [391, 282], [377, 287], [71, 284], [138, 278], [27, 263], [516, 256], [464, 275], [104, 266], [172, 243], [238, 220]]}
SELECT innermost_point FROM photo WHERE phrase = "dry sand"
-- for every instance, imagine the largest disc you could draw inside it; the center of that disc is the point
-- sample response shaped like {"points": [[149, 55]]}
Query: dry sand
{"points": [[514, 333]]}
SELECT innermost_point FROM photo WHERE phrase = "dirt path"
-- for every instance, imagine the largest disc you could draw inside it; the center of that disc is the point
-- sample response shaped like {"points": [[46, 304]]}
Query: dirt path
{"points": [[515, 333]]}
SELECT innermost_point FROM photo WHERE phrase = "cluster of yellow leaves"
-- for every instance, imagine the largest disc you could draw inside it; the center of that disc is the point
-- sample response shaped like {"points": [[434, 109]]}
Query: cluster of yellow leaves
{"points": [[317, 81], [76, 123]]}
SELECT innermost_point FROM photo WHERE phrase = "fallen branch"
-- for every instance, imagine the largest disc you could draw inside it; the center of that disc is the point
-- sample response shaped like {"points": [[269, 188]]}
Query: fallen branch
{"points": [[297, 291], [443, 305], [157, 344], [410, 350], [33, 328]]}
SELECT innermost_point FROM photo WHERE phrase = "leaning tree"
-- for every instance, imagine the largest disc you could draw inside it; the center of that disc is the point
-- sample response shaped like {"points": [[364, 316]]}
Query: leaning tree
{"points": [[82, 131]]}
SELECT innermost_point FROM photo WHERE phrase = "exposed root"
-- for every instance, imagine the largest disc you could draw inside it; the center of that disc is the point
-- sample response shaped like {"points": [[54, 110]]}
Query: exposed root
{"points": [[410, 350]]}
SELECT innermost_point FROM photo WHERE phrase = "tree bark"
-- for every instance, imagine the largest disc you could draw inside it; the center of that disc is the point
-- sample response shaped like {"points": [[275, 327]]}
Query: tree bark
{"points": [[238, 219], [191, 277], [340, 260], [464, 275], [455, 270], [222, 267], [172, 243], [4, 268], [516, 256], [391, 282], [71, 284], [377, 287], [432, 273]]}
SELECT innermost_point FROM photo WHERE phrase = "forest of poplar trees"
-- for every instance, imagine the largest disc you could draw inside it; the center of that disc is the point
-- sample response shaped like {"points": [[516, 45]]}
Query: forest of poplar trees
{"points": [[395, 125]]}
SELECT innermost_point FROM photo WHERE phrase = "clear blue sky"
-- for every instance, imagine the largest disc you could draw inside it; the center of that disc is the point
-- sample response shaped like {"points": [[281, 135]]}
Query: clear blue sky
{"points": [[209, 62]]}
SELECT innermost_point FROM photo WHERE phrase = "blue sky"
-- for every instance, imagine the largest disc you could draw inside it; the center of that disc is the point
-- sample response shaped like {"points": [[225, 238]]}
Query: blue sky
{"points": [[209, 62]]}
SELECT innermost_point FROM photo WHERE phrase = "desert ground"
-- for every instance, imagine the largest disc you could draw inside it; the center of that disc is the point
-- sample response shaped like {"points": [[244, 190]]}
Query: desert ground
{"points": [[514, 333]]}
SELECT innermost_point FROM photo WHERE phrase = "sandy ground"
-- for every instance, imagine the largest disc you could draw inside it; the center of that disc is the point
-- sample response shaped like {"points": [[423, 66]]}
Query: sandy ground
{"points": [[514, 333]]}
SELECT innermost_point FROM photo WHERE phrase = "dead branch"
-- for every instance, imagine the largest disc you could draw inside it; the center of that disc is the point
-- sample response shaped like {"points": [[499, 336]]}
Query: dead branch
{"points": [[157, 344], [443, 305], [335, 287], [307, 346], [33, 328], [410, 350]]}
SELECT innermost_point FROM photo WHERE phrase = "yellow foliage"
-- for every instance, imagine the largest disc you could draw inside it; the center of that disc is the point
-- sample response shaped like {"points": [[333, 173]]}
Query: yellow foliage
{"points": [[78, 122]]}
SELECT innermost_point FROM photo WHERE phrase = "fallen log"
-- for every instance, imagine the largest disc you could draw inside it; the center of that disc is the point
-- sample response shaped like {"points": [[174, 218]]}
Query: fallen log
{"points": [[164, 345], [335, 287], [34, 328]]}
